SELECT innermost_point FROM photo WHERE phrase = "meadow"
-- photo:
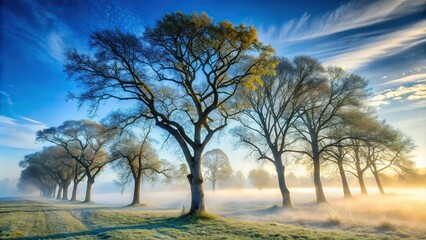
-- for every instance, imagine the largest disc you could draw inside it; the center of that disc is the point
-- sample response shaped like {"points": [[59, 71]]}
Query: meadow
{"points": [[233, 214]]}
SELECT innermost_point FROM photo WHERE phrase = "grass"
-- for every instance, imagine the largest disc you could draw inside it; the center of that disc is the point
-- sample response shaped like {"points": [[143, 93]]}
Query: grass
{"points": [[333, 217], [77, 221]]}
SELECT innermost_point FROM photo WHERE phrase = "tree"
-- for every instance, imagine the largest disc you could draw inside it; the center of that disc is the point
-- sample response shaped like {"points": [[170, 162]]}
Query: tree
{"points": [[35, 175], [260, 178], [183, 73], [79, 175], [217, 166], [272, 110], [389, 150], [325, 108], [52, 161], [136, 159], [84, 141]]}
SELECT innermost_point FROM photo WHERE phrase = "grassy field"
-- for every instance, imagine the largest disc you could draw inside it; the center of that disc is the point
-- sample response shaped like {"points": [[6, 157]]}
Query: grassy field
{"points": [[35, 219]]}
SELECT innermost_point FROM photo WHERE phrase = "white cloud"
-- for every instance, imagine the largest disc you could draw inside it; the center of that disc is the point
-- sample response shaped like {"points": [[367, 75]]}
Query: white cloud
{"points": [[353, 15], [410, 78], [383, 45], [31, 120], [402, 93], [14, 133]]}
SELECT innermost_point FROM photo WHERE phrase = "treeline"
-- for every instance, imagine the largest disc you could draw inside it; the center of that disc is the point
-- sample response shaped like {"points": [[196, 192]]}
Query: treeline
{"points": [[191, 76]]}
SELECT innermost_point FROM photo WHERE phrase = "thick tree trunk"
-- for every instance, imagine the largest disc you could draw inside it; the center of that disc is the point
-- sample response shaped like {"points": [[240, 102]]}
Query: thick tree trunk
{"points": [[65, 190], [195, 179], [379, 183], [285, 193], [345, 185], [74, 191], [137, 191], [88, 197], [214, 185], [58, 197]]}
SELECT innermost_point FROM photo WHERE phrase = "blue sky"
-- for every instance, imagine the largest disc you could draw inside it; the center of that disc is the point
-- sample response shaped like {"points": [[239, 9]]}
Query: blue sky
{"points": [[384, 41]]}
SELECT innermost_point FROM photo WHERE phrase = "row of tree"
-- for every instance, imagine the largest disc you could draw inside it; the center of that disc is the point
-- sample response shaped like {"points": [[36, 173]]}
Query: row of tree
{"points": [[322, 114], [80, 152], [190, 76]]}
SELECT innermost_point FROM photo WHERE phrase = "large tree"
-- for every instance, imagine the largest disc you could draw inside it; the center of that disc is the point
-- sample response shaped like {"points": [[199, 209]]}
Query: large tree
{"points": [[324, 109], [84, 142], [183, 73], [273, 108], [216, 165]]}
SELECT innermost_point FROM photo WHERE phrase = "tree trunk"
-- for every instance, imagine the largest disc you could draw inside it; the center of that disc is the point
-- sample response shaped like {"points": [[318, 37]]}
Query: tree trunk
{"points": [[285, 193], [346, 190], [317, 181], [137, 191], [362, 184], [88, 197], [195, 179], [74, 191], [58, 197], [379, 184], [214, 185], [65, 190]]}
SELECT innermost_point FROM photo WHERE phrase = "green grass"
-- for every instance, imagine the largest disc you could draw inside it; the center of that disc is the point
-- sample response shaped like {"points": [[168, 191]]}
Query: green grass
{"points": [[78, 221]]}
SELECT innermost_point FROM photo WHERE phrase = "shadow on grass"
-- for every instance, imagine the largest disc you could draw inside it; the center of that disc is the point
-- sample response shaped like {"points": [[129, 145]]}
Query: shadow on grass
{"points": [[179, 223]]}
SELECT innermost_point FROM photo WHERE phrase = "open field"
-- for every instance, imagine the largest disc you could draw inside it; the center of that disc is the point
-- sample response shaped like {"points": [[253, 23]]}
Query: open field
{"points": [[389, 217]]}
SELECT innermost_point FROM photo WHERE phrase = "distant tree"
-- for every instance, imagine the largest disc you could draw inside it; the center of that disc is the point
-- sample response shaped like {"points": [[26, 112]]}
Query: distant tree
{"points": [[35, 175], [364, 127], [84, 142], [390, 150], [216, 166], [184, 73], [325, 107], [259, 178], [272, 109], [52, 161], [136, 159], [238, 179], [181, 174]]}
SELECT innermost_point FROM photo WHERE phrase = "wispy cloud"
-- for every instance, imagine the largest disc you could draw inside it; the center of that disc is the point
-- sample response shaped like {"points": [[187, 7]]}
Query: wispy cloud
{"points": [[414, 92], [381, 46], [31, 120], [5, 99], [407, 79], [353, 15], [38, 30], [14, 133]]}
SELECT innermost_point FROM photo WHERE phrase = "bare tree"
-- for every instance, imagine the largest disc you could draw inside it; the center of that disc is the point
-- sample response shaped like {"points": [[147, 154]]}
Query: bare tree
{"points": [[217, 166], [390, 150], [136, 159], [272, 110], [325, 108], [338, 156], [183, 72], [84, 142]]}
